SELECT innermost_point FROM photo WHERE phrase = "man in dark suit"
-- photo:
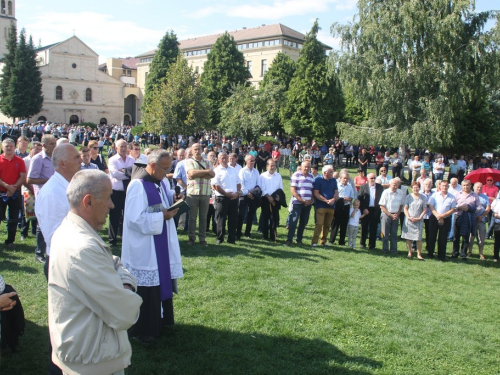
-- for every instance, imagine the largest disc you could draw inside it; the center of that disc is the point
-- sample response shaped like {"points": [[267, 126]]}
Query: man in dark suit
{"points": [[369, 197]]}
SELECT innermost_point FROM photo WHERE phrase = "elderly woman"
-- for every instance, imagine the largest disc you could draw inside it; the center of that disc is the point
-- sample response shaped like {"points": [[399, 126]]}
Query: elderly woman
{"points": [[96, 158], [415, 207]]}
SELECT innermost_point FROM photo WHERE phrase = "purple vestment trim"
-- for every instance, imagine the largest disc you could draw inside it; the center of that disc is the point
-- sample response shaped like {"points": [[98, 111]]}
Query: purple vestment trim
{"points": [[161, 243]]}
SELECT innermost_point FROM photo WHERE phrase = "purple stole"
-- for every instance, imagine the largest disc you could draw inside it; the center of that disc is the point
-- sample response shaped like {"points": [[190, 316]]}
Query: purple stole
{"points": [[161, 241]]}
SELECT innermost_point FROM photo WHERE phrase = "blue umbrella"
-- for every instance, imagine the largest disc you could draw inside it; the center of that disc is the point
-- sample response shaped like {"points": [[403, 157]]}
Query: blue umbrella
{"points": [[22, 122]]}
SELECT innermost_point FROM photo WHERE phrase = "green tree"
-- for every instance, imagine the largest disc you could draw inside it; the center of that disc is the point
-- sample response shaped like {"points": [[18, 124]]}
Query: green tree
{"points": [[273, 98], [8, 61], [178, 105], [241, 114], [417, 67], [281, 71], [225, 68], [165, 56], [315, 100], [25, 89]]}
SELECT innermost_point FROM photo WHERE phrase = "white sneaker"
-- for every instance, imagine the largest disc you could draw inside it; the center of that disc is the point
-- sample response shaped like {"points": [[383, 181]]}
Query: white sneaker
{"points": [[314, 244]]}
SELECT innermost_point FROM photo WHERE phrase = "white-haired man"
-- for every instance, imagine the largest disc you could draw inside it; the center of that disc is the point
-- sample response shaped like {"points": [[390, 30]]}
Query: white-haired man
{"points": [[89, 289]]}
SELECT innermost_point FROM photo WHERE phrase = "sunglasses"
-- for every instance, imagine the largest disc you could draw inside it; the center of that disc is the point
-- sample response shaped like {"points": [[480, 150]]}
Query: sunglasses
{"points": [[490, 180]]}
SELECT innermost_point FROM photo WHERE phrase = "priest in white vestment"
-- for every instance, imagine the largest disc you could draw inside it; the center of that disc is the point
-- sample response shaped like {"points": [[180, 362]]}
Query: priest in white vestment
{"points": [[150, 247]]}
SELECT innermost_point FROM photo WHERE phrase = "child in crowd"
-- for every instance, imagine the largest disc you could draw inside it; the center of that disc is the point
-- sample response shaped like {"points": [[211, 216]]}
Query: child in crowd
{"points": [[352, 229]]}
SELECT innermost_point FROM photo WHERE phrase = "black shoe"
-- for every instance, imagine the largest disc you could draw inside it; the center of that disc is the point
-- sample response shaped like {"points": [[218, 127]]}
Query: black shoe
{"points": [[287, 243], [454, 256], [231, 242], [298, 242], [363, 246], [430, 256], [40, 259]]}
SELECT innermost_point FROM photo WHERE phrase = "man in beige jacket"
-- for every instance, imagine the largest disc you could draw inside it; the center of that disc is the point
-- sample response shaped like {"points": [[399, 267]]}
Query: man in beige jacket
{"points": [[92, 300]]}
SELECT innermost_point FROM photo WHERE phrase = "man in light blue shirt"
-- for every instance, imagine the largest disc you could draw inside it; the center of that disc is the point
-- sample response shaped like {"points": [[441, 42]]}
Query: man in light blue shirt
{"points": [[342, 206]]}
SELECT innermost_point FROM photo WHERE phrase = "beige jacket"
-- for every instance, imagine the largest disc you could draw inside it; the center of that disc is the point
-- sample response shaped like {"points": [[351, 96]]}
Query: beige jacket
{"points": [[89, 310]]}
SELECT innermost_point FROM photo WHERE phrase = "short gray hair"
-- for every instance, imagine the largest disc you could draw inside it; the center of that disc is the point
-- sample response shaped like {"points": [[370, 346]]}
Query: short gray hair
{"points": [[88, 181], [327, 168], [60, 153], [46, 138], [156, 155], [6, 141]]}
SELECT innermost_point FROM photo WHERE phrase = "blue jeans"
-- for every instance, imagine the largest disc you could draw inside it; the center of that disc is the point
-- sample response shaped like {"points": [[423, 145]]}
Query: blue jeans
{"points": [[300, 214]]}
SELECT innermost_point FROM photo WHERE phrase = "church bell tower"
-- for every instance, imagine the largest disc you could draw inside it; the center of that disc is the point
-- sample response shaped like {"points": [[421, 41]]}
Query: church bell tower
{"points": [[7, 15]]}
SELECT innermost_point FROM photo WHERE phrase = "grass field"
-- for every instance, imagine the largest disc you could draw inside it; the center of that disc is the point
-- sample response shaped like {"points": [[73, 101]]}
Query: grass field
{"points": [[263, 308]]}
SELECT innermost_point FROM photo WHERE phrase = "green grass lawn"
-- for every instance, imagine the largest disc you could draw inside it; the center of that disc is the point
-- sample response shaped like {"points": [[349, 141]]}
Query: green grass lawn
{"points": [[263, 308]]}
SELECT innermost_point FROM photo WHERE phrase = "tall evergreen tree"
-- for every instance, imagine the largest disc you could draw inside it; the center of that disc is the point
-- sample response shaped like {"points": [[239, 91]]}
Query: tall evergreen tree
{"points": [[8, 61], [417, 66], [225, 68], [25, 89], [179, 104], [165, 56], [281, 71], [315, 100]]}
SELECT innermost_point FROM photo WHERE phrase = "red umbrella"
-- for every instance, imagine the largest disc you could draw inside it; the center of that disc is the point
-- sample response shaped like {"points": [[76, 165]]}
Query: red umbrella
{"points": [[480, 175]]}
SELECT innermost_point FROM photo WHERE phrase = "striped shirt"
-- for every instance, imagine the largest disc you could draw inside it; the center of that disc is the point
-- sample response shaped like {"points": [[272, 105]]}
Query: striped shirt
{"points": [[303, 185], [197, 186]]}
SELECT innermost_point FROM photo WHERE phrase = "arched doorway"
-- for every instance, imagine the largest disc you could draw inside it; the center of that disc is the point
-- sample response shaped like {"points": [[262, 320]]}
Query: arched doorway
{"points": [[103, 121], [42, 118], [130, 108], [73, 119], [127, 119]]}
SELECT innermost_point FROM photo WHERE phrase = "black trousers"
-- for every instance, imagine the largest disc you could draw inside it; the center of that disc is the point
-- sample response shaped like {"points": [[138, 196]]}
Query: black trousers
{"points": [[340, 222], [464, 249], [15, 205], [369, 227], [439, 232], [226, 209], [150, 321], [116, 215], [251, 205], [396, 171], [270, 219]]}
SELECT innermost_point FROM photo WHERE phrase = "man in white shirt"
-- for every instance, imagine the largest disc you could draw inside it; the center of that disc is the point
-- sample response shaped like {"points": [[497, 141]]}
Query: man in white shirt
{"points": [[416, 164], [249, 178], [52, 205], [270, 181], [226, 184], [119, 181], [391, 204], [180, 176]]}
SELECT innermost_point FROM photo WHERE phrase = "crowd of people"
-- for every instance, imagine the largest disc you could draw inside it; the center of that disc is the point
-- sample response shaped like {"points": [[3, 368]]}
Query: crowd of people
{"points": [[65, 195]]}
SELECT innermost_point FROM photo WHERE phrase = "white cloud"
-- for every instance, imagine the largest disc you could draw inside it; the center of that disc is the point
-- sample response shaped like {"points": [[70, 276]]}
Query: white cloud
{"points": [[277, 10], [327, 38], [103, 33]]}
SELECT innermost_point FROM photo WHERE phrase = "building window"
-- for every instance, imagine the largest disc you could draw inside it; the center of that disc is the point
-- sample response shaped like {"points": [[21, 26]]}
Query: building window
{"points": [[146, 77], [3, 7], [249, 66], [10, 8], [146, 59], [263, 67], [59, 93], [197, 69], [88, 95]]}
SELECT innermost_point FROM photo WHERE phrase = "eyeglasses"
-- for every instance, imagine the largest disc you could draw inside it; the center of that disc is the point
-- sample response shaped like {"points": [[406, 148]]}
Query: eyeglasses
{"points": [[371, 178], [382, 170], [95, 148], [489, 180]]}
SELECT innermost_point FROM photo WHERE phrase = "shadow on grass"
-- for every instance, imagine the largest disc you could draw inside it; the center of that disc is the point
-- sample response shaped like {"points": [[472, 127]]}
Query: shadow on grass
{"points": [[14, 266], [190, 349], [250, 248], [32, 354], [403, 253]]}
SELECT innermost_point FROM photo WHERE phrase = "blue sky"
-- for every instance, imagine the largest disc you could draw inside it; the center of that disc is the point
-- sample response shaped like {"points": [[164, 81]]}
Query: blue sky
{"points": [[131, 27]]}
